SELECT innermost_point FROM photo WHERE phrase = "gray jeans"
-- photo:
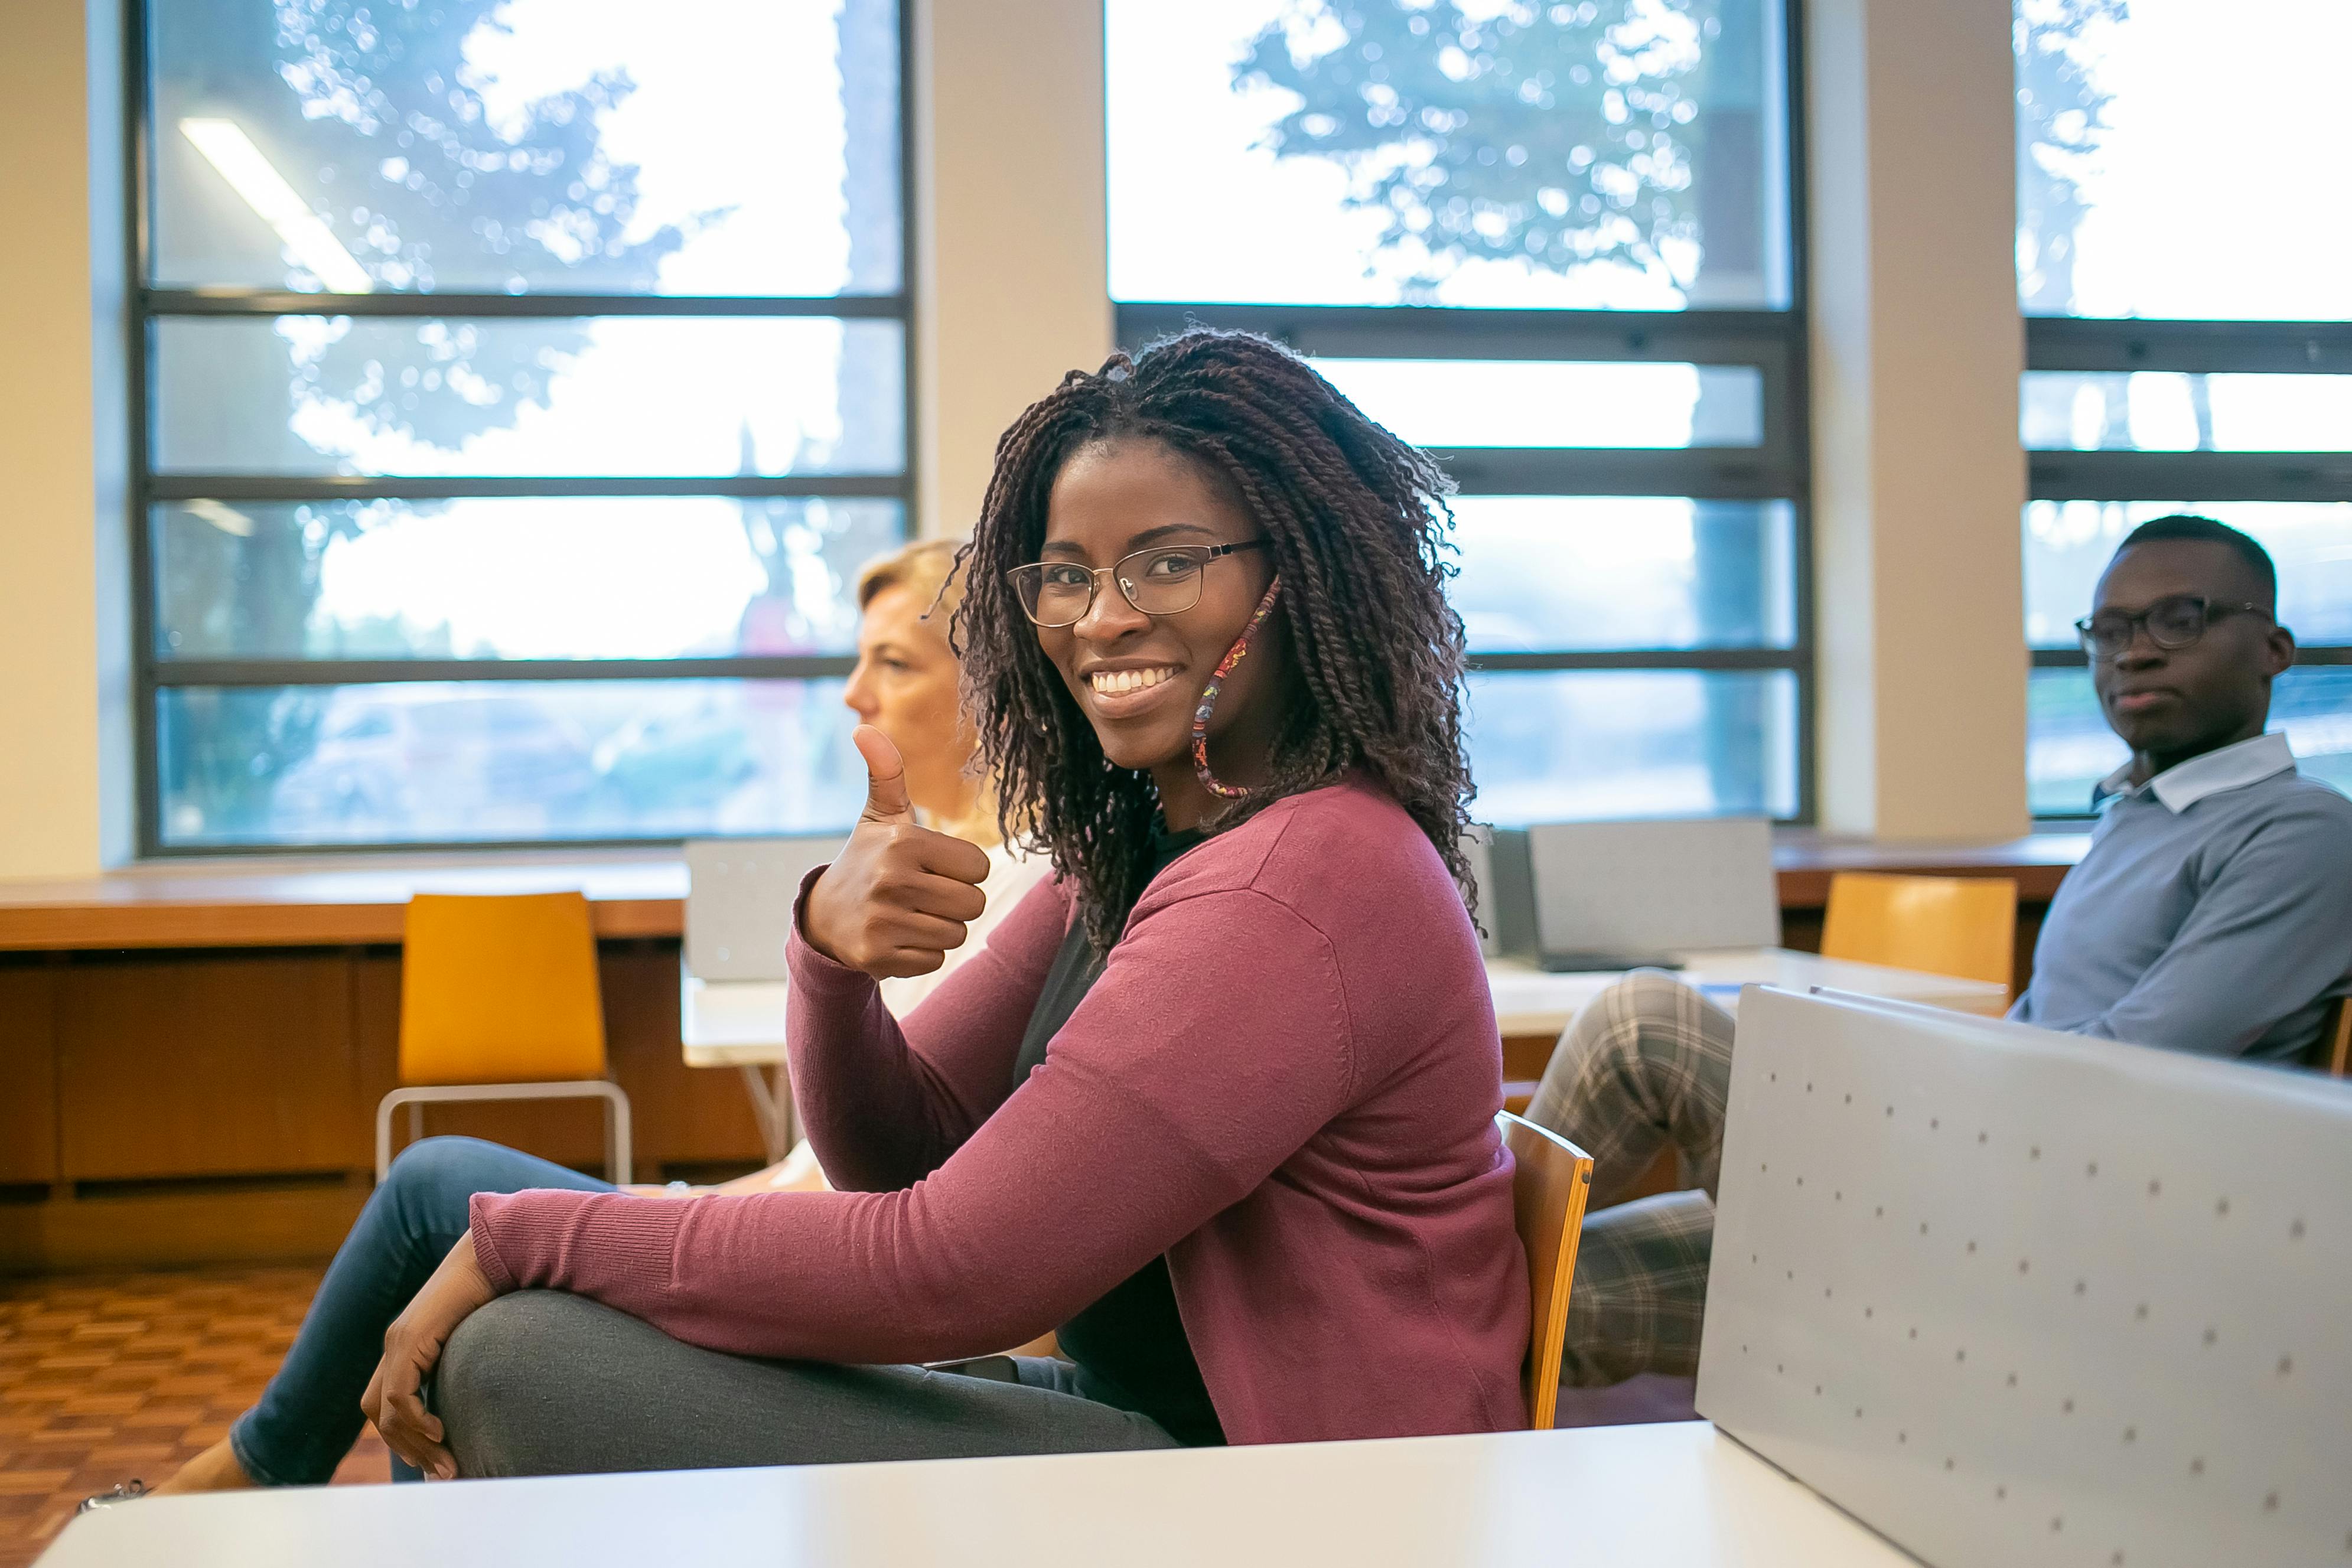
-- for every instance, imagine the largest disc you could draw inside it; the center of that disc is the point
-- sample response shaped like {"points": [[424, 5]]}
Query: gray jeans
{"points": [[541, 1382]]}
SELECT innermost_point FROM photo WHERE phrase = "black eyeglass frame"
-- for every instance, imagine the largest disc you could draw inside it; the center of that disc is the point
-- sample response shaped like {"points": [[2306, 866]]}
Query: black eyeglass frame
{"points": [[2137, 620], [1096, 574]]}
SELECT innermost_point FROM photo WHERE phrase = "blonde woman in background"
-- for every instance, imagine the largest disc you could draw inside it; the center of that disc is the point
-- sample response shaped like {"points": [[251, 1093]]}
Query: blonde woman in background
{"points": [[905, 684]]}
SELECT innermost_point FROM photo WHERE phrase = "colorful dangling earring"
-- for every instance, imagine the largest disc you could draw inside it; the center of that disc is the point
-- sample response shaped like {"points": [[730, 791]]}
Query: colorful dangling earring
{"points": [[1233, 656]]}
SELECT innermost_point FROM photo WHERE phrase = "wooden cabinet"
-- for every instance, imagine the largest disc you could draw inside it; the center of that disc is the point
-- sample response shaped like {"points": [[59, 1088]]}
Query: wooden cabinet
{"points": [[201, 1065], [28, 1080]]}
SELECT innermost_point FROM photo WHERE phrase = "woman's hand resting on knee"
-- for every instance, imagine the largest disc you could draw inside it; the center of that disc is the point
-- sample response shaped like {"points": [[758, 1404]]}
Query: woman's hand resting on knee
{"points": [[896, 899], [411, 1345]]}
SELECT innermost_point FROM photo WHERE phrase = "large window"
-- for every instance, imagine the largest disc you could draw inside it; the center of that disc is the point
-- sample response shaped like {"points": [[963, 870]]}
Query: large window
{"points": [[2188, 334], [522, 384], [1553, 242]]}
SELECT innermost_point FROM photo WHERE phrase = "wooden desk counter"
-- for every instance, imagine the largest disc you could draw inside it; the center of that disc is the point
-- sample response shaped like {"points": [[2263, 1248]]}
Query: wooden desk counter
{"points": [[354, 900]]}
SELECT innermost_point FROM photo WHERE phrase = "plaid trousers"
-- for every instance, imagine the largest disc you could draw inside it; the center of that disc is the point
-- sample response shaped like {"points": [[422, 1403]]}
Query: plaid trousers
{"points": [[1646, 1062]]}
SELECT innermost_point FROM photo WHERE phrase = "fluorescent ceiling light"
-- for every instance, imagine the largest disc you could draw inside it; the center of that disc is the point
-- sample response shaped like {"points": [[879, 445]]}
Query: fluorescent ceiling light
{"points": [[229, 150]]}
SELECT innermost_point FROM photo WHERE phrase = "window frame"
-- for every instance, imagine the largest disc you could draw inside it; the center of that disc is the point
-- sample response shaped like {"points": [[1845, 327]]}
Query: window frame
{"points": [[148, 305], [1779, 468], [2132, 345]]}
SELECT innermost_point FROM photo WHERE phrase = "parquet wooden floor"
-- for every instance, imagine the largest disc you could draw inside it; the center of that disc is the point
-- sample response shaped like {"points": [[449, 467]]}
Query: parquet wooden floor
{"points": [[108, 1376]]}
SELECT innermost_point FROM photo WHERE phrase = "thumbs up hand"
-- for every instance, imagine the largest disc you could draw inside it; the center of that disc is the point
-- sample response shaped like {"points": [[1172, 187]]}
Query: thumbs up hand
{"points": [[897, 901]]}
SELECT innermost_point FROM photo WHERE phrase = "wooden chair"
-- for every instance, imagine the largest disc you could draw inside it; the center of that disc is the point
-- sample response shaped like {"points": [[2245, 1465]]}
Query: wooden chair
{"points": [[498, 1000], [2332, 1052], [1962, 925], [1548, 1192]]}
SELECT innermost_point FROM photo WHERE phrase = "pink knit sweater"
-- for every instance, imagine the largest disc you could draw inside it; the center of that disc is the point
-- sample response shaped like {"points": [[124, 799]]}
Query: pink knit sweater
{"points": [[1284, 1080]]}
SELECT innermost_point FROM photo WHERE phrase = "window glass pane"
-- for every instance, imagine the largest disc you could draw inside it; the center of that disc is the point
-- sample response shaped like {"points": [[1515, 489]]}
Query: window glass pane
{"points": [[1556, 402], [2068, 543], [2069, 749], [1560, 573], [1620, 155], [494, 761], [2146, 189], [606, 577], [1556, 745], [611, 395], [2163, 410], [741, 146]]}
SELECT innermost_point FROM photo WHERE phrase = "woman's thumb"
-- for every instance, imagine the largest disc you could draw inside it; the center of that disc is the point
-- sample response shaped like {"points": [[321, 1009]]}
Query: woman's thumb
{"points": [[886, 775]]}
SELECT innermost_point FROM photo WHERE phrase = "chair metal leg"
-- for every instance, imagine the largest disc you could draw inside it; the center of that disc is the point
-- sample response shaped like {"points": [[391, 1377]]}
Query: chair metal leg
{"points": [[773, 1111], [616, 1113], [417, 1122], [616, 1135], [384, 1136]]}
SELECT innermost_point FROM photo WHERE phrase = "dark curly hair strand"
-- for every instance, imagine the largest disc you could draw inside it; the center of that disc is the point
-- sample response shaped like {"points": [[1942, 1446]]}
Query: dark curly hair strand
{"points": [[1356, 522]]}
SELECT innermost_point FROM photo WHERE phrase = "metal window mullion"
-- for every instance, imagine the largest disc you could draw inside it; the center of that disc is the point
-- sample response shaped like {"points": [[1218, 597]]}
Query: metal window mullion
{"points": [[214, 673], [2211, 348], [1450, 332], [352, 487], [1701, 473], [2190, 476], [273, 302], [1701, 659], [2324, 653]]}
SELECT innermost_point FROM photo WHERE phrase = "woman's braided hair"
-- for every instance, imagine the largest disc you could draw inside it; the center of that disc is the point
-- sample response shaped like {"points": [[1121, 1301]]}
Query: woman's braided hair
{"points": [[1355, 521]]}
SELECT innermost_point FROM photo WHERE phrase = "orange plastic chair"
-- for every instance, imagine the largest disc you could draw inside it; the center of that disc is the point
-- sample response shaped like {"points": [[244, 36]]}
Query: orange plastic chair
{"points": [[498, 1000], [1960, 925], [1553, 1179]]}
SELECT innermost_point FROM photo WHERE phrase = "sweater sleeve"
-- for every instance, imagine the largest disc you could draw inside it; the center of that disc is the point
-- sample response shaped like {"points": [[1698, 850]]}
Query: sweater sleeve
{"points": [[886, 1100], [1215, 1044], [2266, 939]]}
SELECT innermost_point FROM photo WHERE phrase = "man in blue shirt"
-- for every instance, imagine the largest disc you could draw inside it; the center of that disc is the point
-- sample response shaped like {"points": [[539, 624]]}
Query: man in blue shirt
{"points": [[2213, 910], [2212, 913]]}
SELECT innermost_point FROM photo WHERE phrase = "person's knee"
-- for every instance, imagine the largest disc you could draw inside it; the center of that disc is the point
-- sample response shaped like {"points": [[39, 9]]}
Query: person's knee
{"points": [[501, 1363], [433, 1168]]}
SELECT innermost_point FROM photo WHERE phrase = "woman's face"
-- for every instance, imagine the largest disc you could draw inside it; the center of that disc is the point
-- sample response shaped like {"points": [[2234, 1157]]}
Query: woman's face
{"points": [[905, 685], [1137, 678]]}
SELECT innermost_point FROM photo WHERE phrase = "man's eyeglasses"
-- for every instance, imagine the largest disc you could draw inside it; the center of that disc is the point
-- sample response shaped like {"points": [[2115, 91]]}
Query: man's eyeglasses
{"points": [[2173, 622], [1161, 581]]}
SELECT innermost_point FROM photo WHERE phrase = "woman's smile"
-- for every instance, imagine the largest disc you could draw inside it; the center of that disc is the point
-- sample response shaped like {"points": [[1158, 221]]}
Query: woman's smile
{"points": [[1116, 692]]}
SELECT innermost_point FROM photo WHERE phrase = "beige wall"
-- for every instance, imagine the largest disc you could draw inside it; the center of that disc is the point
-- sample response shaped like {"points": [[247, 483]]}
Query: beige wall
{"points": [[49, 695], [1013, 291], [1918, 479]]}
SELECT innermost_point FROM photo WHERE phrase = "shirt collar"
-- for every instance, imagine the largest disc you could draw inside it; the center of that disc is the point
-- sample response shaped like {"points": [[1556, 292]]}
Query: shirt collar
{"points": [[2184, 784]]}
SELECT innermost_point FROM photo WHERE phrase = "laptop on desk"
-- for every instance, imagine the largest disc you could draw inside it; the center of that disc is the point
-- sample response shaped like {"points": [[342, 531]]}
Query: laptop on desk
{"points": [[739, 902]]}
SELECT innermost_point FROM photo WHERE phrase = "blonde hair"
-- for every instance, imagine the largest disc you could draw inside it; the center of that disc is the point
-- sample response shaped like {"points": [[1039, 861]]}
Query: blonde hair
{"points": [[926, 566]]}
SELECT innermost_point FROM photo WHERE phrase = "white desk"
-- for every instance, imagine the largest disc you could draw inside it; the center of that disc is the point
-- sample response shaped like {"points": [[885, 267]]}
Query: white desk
{"points": [[1528, 1001], [1678, 1496], [740, 1023]]}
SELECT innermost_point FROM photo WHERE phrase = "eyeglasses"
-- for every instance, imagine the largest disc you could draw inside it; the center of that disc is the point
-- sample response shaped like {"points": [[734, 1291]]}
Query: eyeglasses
{"points": [[2173, 622], [1161, 581]]}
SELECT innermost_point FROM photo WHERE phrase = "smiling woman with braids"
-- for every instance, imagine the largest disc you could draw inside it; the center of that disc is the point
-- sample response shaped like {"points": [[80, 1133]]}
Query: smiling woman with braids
{"points": [[1216, 1101]]}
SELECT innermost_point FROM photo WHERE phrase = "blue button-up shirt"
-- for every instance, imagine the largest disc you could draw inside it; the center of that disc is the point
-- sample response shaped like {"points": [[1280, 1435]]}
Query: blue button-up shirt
{"points": [[2212, 912]]}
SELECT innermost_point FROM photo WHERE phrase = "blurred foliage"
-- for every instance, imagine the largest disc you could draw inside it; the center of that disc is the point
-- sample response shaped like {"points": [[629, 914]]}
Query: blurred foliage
{"points": [[1560, 134]]}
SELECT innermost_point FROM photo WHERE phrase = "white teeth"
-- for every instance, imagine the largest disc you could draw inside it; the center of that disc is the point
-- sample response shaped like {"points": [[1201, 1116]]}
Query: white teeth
{"points": [[1114, 682]]}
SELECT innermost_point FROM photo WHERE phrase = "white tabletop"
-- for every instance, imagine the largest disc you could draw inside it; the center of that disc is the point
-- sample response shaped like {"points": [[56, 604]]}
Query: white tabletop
{"points": [[1674, 1496], [730, 1023], [1528, 1001], [733, 1023]]}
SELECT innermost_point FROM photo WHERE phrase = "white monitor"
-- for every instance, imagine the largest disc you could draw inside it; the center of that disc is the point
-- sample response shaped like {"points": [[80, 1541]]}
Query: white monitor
{"points": [[2022, 1298], [739, 902]]}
